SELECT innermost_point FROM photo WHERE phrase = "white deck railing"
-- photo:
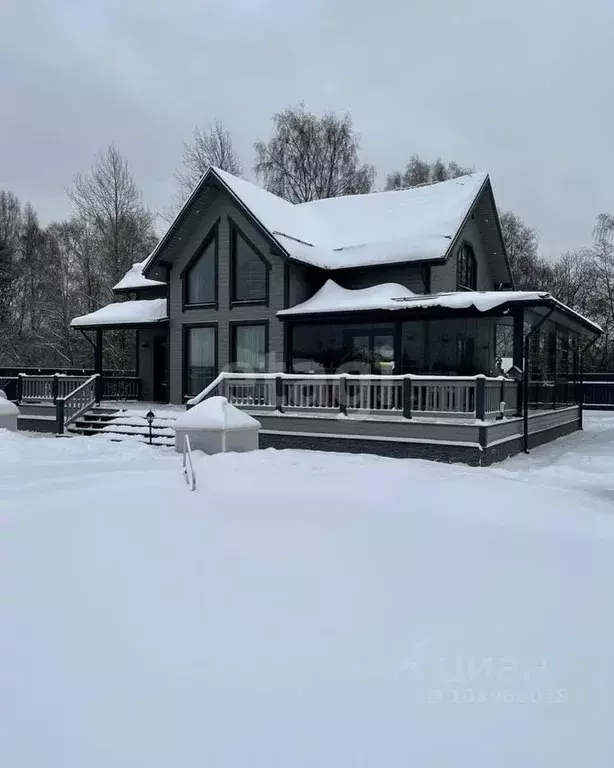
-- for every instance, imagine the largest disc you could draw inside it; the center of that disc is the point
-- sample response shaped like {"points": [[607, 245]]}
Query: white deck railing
{"points": [[48, 388], [476, 397], [77, 401]]}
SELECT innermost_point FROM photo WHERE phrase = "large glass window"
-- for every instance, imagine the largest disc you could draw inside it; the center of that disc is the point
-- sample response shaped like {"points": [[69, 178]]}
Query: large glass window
{"points": [[412, 347], [324, 348], [249, 271], [200, 358], [249, 348], [466, 269], [201, 278], [461, 347]]}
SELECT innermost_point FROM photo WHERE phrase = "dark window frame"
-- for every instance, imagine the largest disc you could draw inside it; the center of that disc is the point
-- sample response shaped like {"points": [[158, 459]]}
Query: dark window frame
{"points": [[185, 348], [234, 230], [232, 328], [466, 268], [212, 236]]}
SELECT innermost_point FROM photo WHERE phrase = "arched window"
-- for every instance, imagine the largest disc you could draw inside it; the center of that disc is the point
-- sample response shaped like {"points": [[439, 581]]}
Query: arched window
{"points": [[466, 269]]}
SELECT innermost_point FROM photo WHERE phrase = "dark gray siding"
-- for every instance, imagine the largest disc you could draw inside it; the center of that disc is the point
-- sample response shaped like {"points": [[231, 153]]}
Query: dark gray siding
{"points": [[303, 283], [443, 276], [220, 206], [410, 277]]}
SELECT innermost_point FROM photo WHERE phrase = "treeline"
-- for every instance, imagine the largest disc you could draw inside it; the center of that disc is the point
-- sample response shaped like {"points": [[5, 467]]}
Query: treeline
{"points": [[48, 275]]}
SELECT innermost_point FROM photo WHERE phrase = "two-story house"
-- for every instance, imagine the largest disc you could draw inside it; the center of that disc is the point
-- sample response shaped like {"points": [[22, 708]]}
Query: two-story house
{"points": [[409, 281]]}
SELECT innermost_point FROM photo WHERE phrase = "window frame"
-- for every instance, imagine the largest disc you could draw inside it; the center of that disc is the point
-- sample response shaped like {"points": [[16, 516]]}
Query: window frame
{"points": [[212, 236], [234, 231], [185, 352], [465, 256], [232, 327]]}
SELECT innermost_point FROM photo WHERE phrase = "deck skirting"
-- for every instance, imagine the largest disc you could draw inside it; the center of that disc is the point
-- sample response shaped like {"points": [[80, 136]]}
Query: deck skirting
{"points": [[473, 443]]}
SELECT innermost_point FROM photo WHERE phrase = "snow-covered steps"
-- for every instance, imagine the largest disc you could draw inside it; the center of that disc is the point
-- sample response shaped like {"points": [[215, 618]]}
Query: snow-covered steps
{"points": [[123, 424]]}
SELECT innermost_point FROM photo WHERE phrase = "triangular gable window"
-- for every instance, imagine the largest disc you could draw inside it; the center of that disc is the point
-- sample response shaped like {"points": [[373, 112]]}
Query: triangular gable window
{"points": [[250, 271], [200, 279]]}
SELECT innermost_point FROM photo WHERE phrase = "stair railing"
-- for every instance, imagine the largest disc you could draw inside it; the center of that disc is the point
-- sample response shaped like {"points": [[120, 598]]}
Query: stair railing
{"points": [[72, 405], [188, 466]]}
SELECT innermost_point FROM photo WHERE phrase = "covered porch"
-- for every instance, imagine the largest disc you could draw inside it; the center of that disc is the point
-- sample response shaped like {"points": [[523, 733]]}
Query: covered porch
{"points": [[527, 337], [148, 318]]}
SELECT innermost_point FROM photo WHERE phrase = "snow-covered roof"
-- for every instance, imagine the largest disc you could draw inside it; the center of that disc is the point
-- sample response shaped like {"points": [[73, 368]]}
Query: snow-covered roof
{"points": [[134, 278], [124, 313], [417, 224], [392, 296], [364, 230], [215, 413]]}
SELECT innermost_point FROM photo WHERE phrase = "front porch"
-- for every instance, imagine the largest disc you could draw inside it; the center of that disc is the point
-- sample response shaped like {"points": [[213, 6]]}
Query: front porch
{"points": [[148, 319]]}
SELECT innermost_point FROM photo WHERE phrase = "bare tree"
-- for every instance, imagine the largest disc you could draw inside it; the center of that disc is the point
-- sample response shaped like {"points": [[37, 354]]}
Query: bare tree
{"points": [[310, 157], [604, 229], [208, 146], [108, 206], [418, 172], [530, 271], [10, 232], [108, 201]]}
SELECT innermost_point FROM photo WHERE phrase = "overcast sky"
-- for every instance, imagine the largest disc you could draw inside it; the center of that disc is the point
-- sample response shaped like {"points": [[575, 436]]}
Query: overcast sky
{"points": [[520, 89]]}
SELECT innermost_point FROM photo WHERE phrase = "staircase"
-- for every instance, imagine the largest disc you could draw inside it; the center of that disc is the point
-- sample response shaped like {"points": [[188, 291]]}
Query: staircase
{"points": [[119, 424]]}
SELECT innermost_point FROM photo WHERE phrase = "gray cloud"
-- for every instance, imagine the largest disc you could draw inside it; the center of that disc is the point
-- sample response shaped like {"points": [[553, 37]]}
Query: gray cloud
{"points": [[520, 90]]}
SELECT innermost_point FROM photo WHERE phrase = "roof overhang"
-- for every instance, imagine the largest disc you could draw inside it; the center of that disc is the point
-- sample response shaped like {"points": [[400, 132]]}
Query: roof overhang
{"points": [[121, 326], [537, 304], [127, 315]]}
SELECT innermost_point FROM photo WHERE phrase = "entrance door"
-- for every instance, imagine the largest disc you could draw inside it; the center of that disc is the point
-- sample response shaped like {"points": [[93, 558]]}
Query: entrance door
{"points": [[160, 369], [372, 351]]}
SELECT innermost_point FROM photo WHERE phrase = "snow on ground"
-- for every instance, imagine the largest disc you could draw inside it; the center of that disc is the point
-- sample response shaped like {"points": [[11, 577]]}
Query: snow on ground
{"points": [[305, 609]]}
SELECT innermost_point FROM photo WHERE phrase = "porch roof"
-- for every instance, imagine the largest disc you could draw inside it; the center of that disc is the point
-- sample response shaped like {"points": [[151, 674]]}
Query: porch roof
{"points": [[333, 299], [134, 279], [125, 314]]}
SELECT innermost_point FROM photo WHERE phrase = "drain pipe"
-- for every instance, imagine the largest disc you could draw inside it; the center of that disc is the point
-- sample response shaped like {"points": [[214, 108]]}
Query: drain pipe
{"points": [[525, 381]]}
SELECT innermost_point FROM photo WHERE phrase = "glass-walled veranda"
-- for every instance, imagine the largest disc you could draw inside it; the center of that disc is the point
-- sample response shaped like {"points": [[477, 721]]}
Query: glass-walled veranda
{"points": [[460, 346]]}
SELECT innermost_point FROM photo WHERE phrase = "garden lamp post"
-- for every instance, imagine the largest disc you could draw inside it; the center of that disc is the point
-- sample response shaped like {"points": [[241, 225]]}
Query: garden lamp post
{"points": [[150, 419]]}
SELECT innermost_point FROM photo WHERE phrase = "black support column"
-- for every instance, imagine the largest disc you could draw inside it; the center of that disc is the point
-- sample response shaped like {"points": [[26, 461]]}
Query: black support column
{"points": [[518, 356], [98, 364], [518, 351], [98, 352]]}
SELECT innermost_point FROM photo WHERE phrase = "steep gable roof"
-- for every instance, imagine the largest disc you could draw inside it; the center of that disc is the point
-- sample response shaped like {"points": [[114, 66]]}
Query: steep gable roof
{"points": [[418, 224]]}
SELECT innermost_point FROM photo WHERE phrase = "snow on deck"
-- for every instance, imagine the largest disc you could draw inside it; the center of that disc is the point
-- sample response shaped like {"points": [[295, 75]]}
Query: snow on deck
{"points": [[124, 313], [305, 609]]}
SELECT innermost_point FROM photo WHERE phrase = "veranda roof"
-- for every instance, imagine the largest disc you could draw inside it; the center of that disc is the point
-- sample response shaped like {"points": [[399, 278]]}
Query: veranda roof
{"points": [[333, 299], [124, 314]]}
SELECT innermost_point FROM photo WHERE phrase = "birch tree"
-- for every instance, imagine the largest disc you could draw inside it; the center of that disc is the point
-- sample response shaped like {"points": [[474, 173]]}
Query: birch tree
{"points": [[310, 157]]}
